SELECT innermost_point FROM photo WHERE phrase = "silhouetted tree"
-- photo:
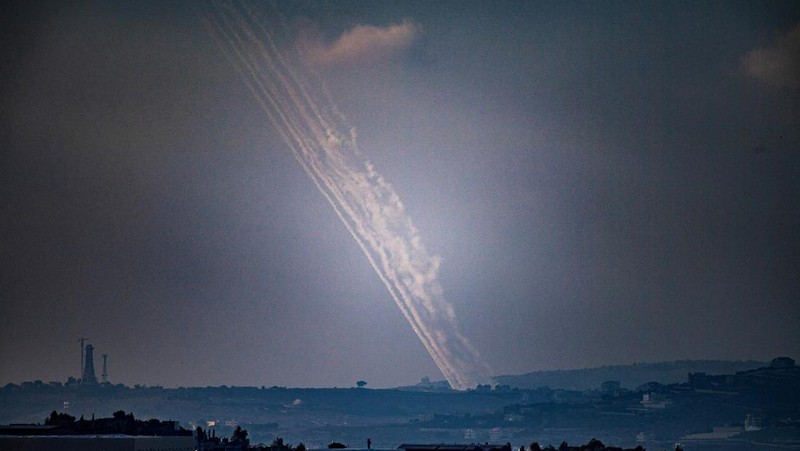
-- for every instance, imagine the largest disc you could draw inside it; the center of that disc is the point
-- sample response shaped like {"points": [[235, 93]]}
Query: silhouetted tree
{"points": [[239, 433], [535, 447], [595, 444], [59, 419], [300, 447], [361, 384]]}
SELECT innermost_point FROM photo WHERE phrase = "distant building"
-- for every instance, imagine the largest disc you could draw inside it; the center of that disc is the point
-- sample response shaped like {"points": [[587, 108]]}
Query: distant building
{"points": [[752, 422], [782, 362], [651, 387], [611, 388], [654, 401], [703, 381], [717, 433]]}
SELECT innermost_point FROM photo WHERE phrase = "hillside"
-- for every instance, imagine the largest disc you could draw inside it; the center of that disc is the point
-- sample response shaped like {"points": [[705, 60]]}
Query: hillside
{"points": [[631, 376]]}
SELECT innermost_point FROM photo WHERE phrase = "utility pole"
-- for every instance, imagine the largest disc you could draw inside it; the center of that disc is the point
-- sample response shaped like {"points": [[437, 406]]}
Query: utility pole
{"points": [[82, 340]]}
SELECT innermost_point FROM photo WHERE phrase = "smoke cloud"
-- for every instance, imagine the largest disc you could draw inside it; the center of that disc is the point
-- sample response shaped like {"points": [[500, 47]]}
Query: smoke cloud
{"points": [[777, 66], [363, 43]]}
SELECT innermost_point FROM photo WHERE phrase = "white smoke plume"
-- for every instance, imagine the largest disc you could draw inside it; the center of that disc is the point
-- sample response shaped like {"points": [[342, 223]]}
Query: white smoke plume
{"points": [[363, 43], [324, 144]]}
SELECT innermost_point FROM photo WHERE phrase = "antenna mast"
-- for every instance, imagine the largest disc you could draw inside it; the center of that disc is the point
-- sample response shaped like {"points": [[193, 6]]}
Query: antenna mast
{"points": [[82, 340], [105, 368]]}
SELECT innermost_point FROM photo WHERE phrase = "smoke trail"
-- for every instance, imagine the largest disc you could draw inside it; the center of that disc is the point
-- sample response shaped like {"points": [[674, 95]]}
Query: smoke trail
{"points": [[325, 145]]}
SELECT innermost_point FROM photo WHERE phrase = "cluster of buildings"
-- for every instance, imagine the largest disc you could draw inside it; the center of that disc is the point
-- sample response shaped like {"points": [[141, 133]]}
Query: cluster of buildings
{"points": [[781, 369], [121, 432]]}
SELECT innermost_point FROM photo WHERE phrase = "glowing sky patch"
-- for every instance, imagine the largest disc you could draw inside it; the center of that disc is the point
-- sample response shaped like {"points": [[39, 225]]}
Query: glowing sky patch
{"points": [[325, 145]]}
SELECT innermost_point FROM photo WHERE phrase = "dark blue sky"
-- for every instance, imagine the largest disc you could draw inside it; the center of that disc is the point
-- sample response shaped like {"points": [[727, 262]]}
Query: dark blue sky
{"points": [[605, 183]]}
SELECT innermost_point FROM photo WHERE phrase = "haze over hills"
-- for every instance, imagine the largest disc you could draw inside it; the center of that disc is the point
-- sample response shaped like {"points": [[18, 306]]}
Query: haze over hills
{"points": [[744, 409], [630, 376]]}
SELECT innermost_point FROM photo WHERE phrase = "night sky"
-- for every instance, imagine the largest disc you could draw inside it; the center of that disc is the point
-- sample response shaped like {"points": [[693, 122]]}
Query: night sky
{"points": [[605, 183]]}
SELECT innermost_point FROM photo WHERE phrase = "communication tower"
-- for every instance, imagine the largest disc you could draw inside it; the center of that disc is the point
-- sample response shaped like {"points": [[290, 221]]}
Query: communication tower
{"points": [[82, 340], [88, 370], [104, 376]]}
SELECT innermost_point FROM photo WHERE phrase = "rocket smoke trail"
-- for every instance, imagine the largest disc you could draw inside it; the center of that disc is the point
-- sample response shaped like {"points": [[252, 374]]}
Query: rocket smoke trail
{"points": [[324, 144]]}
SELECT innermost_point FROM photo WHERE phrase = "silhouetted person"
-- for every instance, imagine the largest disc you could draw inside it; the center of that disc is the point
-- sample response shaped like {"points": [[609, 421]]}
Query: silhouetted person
{"points": [[369, 443]]}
